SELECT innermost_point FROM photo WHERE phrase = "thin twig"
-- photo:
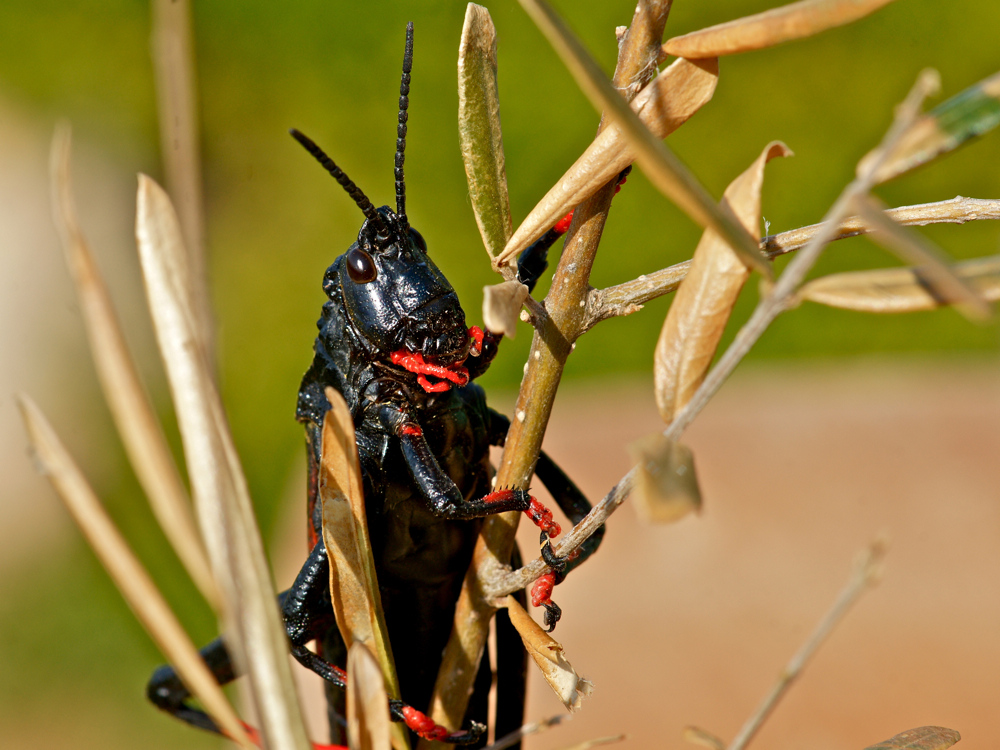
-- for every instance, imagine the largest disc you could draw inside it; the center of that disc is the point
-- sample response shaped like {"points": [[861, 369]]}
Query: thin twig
{"points": [[500, 582], [865, 576], [629, 297], [534, 727]]}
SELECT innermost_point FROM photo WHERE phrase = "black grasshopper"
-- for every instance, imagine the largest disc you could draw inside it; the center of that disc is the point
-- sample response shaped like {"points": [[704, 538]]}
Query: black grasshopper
{"points": [[393, 340]]}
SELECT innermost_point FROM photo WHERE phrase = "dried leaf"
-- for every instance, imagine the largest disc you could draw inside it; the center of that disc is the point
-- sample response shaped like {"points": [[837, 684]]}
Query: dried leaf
{"points": [[502, 305], [479, 128], [526, 730], [353, 581], [547, 653], [899, 290], [666, 486], [965, 116], [921, 738], [596, 742], [130, 407], [705, 299], [127, 572], [254, 630], [662, 167], [912, 247], [775, 26], [699, 736], [367, 703], [664, 105], [177, 104]]}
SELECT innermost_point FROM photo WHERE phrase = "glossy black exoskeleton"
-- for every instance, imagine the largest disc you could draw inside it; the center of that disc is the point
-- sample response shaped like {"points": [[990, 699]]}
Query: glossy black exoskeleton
{"points": [[393, 340]]}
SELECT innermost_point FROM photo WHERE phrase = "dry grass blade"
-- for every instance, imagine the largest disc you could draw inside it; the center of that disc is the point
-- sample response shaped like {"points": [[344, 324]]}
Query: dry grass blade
{"points": [[255, 633], [547, 654], [934, 268], [354, 588], [664, 169], [775, 26], [666, 485], [479, 128], [173, 58], [134, 417], [367, 703], [866, 574], [127, 572], [698, 316], [669, 100], [899, 290], [921, 738], [951, 124]]}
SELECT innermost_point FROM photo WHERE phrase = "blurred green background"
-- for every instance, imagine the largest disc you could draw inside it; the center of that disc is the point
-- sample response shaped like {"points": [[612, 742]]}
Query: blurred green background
{"points": [[72, 660]]}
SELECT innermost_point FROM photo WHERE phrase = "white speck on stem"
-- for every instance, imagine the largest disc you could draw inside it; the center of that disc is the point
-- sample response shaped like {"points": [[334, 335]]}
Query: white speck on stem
{"points": [[520, 416]]}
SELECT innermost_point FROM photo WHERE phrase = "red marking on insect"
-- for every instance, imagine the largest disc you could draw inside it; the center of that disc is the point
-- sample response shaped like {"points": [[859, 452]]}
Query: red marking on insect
{"points": [[423, 725], [541, 592], [447, 374], [562, 226], [476, 334], [542, 518], [411, 429]]}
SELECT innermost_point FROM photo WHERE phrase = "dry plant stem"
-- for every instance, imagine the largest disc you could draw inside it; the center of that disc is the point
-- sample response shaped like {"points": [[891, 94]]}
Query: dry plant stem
{"points": [[127, 572], [782, 294], [865, 576], [552, 343], [173, 58], [627, 298], [535, 727], [130, 407]]}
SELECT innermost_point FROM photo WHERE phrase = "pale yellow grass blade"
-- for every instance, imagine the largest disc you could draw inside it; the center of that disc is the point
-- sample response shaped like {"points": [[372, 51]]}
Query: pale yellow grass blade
{"points": [[597, 742], [127, 572], [775, 26], [699, 313], [899, 290], [255, 633], [547, 654], [662, 167], [702, 737], [669, 100], [479, 130], [367, 702], [177, 107], [912, 247], [134, 417]]}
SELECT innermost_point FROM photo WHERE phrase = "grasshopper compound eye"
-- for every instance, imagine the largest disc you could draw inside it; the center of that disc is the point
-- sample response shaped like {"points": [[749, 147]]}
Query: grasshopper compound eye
{"points": [[360, 266]]}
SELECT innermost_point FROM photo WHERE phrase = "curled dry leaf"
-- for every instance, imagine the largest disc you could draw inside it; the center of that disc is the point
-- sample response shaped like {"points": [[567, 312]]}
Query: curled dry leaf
{"points": [[502, 305], [255, 633], [127, 572], [921, 738], [792, 21], [705, 299], [965, 116], [131, 409], [899, 290], [479, 130], [914, 248], [547, 653], [666, 486], [367, 702], [664, 105]]}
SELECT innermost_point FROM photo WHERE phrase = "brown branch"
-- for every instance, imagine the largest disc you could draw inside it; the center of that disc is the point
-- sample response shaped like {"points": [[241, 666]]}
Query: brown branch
{"points": [[566, 304], [627, 298]]}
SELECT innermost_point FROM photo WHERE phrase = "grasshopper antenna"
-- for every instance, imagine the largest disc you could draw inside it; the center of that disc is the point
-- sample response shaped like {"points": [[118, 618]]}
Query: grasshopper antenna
{"points": [[345, 182], [404, 103]]}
